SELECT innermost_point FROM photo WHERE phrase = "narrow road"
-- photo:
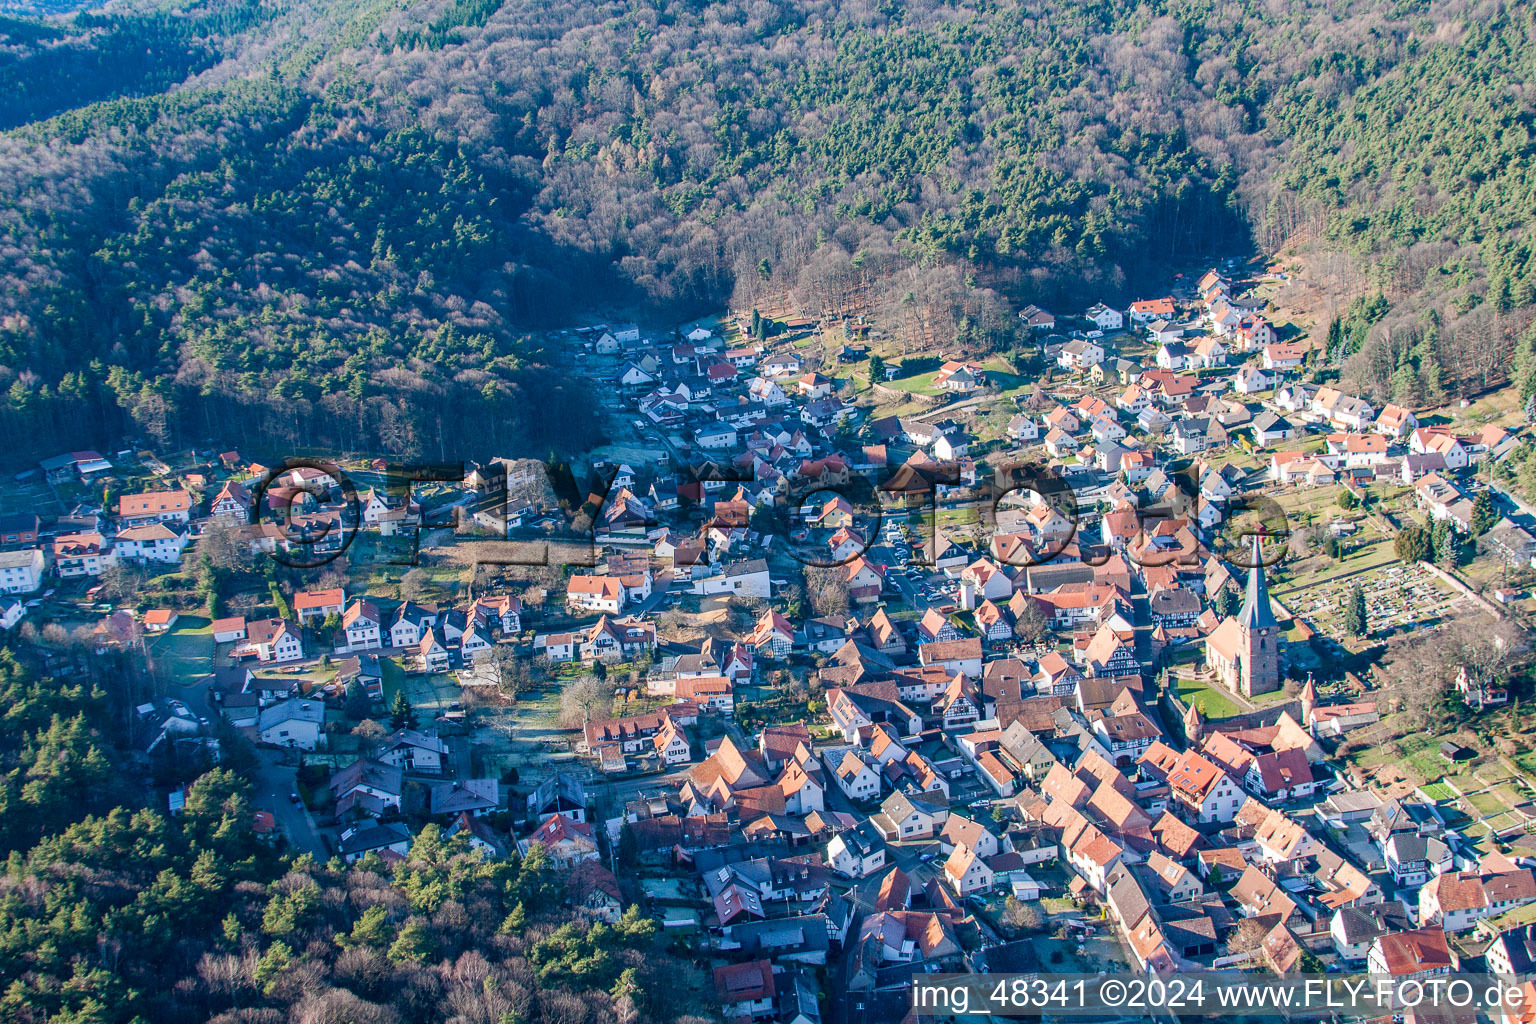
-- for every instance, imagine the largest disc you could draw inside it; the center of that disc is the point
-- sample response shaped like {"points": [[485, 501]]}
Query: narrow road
{"points": [[271, 784], [463, 760]]}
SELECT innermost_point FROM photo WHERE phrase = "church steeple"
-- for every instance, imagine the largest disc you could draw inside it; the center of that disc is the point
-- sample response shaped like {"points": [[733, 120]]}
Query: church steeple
{"points": [[1256, 613]]}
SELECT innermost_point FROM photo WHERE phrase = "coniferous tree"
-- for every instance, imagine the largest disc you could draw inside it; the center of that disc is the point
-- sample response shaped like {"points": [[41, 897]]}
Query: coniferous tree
{"points": [[1354, 613], [401, 714], [1484, 512]]}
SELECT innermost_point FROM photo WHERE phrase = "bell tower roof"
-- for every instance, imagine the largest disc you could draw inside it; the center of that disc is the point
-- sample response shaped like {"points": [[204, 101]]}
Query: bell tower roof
{"points": [[1256, 613]]}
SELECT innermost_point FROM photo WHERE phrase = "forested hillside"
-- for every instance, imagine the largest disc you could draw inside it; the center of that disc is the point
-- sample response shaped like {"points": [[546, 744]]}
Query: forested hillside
{"points": [[346, 221], [113, 912]]}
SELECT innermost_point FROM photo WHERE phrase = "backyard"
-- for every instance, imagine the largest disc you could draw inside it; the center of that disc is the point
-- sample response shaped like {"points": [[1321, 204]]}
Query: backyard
{"points": [[185, 652]]}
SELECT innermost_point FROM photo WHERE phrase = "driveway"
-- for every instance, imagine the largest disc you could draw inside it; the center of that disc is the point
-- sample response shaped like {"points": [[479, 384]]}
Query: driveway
{"points": [[271, 784]]}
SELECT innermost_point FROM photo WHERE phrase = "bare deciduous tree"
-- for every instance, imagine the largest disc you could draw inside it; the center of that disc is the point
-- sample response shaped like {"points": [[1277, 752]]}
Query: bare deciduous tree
{"points": [[827, 589], [581, 699]]}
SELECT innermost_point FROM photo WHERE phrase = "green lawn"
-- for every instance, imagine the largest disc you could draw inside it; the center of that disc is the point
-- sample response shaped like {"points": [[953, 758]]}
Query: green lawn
{"points": [[1421, 752], [432, 691], [1212, 702], [1438, 791], [1511, 795], [1369, 555], [966, 516], [186, 651], [917, 384], [1503, 822], [1486, 803], [1516, 917]]}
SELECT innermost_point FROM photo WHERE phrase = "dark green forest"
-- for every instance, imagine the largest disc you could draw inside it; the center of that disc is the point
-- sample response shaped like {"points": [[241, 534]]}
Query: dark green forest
{"points": [[346, 224], [112, 911]]}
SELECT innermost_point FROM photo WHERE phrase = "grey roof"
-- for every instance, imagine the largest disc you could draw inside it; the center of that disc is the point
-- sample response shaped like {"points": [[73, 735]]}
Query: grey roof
{"points": [[1408, 847], [1362, 924], [799, 1000], [365, 771], [1025, 746], [25, 557], [1270, 420], [415, 738], [1520, 946], [292, 711], [1175, 601], [863, 839], [1127, 895], [898, 805], [1510, 535], [374, 836], [559, 792], [1256, 612], [781, 936], [1353, 801], [468, 795]]}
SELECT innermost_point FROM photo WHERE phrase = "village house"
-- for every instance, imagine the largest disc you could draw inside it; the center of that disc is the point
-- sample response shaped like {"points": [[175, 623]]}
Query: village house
{"points": [[594, 594], [905, 816], [1146, 311], [567, 842], [967, 874], [318, 604], [154, 507], [857, 852], [155, 542], [21, 572], [80, 554], [1457, 900], [1080, 355], [1418, 954], [958, 378], [293, 723], [391, 839], [1105, 318], [274, 640]]}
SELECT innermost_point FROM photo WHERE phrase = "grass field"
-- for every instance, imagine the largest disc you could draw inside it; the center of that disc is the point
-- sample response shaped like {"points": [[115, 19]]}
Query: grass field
{"points": [[1438, 791], [432, 691], [966, 516], [1421, 753], [917, 384], [1212, 702], [186, 650], [1486, 803]]}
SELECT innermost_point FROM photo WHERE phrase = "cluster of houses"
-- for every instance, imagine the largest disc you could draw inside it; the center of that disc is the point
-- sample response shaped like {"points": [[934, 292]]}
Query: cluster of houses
{"points": [[302, 507], [928, 730], [1001, 737], [424, 636], [933, 722], [145, 528], [716, 396]]}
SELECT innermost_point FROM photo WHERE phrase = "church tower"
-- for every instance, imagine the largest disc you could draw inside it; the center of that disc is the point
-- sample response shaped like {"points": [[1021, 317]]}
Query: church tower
{"points": [[1259, 632]]}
